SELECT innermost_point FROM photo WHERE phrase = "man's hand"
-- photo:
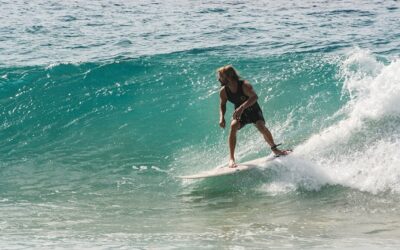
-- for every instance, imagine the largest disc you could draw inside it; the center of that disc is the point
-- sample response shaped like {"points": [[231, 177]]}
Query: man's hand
{"points": [[222, 122], [238, 112]]}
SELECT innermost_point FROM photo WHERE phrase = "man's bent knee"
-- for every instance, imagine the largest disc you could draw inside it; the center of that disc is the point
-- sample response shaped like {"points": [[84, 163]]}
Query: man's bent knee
{"points": [[260, 123], [235, 124]]}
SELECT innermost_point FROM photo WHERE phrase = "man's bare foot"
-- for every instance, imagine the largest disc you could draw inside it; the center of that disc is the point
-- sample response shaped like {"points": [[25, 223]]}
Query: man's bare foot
{"points": [[232, 164], [278, 152]]}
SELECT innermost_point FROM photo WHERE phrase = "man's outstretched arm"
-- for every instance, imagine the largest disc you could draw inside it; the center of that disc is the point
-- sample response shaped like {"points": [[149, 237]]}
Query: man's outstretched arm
{"points": [[222, 107]]}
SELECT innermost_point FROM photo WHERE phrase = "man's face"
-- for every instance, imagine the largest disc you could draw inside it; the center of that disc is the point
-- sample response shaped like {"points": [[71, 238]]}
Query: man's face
{"points": [[222, 79]]}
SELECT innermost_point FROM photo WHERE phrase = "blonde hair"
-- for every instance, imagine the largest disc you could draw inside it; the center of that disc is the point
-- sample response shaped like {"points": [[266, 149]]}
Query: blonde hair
{"points": [[228, 71]]}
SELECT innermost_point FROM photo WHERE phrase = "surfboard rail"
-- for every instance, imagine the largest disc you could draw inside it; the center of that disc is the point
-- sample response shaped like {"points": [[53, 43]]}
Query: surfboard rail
{"points": [[225, 170]]}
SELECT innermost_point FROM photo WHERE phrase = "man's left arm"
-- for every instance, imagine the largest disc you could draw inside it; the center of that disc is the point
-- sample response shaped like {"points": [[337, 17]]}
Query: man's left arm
{"points": [[249, 91]]}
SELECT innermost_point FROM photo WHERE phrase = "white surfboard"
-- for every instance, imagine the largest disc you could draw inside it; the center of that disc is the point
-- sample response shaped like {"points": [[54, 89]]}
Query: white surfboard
{"points": [[225, 170]]}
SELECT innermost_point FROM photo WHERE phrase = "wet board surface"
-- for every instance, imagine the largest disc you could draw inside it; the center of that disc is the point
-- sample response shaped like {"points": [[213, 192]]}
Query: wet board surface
{"points": [[225, 170]]}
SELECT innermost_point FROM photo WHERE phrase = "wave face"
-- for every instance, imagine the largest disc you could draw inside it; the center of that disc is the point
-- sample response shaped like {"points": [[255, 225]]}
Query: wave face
{"points": [[113, 136], [146, 110], [359, 149], [103, 104]]}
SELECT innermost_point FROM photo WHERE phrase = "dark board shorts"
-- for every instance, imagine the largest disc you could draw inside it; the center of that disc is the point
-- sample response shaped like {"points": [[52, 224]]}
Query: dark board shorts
{"points": [[251, 115]]}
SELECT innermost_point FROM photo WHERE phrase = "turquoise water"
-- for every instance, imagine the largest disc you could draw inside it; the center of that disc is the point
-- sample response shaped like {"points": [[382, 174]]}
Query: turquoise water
{"points": [[103, 104]]}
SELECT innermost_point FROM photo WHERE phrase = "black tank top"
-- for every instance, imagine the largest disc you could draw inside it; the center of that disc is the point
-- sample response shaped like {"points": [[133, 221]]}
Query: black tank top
{"points": [[237, 98]]}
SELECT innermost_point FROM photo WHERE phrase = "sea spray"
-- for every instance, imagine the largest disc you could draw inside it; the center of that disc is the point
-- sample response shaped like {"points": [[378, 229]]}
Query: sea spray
{"points": [[361, 151]]}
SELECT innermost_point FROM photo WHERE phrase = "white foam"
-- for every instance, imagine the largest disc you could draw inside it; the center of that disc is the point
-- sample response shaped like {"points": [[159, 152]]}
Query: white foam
{"points": [[374, 170], [294, 171], [362, 150], [374, 93], [374, 88]]}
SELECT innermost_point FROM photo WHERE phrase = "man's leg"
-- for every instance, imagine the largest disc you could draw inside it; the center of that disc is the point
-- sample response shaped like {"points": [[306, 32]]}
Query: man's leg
{"points": [[267, 136], [235, 125]]}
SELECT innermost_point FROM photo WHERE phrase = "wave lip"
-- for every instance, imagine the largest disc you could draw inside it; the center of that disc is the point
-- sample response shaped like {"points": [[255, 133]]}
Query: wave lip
{"points": [[361, 150]]}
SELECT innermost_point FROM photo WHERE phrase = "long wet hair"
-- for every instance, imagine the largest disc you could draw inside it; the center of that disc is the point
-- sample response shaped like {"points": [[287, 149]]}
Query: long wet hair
{"points": [[229, 71]]}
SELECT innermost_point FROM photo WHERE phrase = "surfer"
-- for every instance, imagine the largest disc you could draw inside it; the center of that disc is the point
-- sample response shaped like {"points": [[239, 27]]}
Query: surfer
{"points": [[247, 110]]}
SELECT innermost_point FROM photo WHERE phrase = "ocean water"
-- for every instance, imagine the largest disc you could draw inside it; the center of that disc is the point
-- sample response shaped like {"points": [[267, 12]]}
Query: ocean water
{"points": [[103, 103]]}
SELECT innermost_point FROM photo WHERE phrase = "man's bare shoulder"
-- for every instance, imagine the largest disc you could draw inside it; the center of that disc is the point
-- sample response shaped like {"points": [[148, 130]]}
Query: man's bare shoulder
{"points": [[247, 85], [248, 89], [222, 93]]}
